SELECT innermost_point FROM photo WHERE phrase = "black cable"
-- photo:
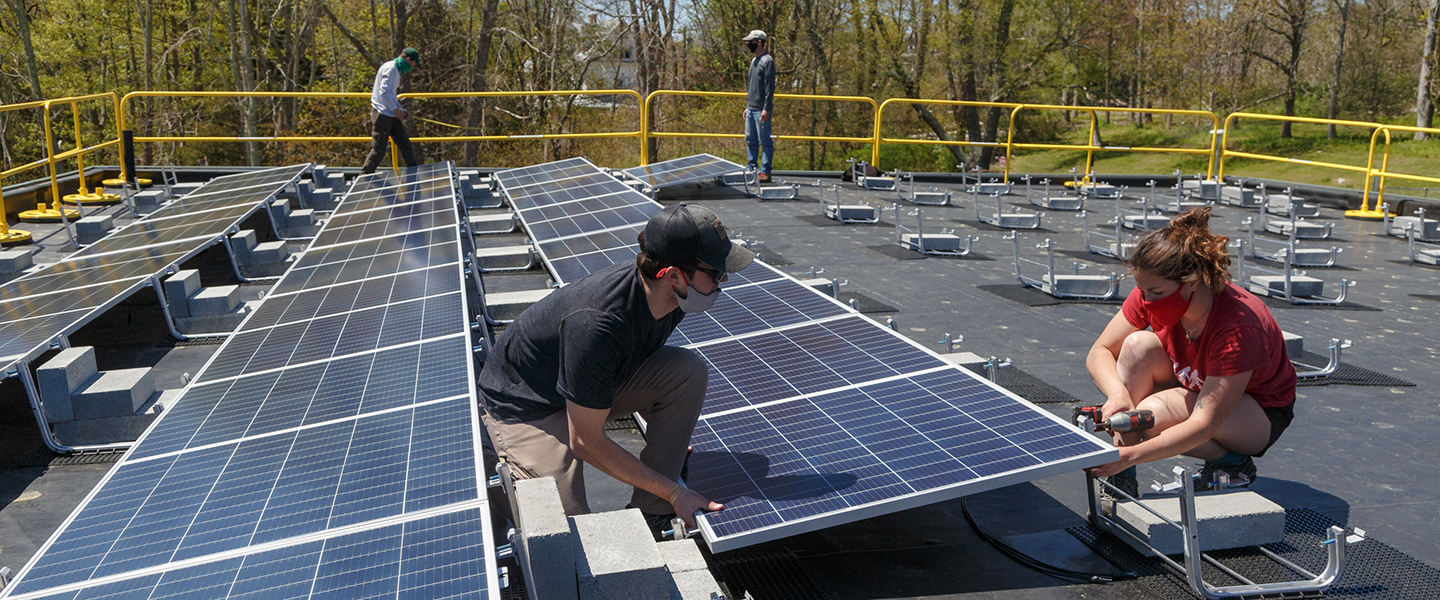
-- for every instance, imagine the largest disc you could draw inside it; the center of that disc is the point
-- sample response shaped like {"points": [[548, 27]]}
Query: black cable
{"points": [[1036, 564]]}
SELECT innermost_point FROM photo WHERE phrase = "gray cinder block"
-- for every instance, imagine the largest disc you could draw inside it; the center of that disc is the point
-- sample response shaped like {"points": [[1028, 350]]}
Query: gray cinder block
{"points": [[14, 261], [178, 290], [616, 558], [508, 305], [90, 229], [113, 394], [62, 375], [243, 242], [690, 576], [1233, 520], [546, 548], [503, 257], [335, 181], [269, 253], [1300, 285], [216, 300], [303, 217], [150, 198], [1294, 345]]}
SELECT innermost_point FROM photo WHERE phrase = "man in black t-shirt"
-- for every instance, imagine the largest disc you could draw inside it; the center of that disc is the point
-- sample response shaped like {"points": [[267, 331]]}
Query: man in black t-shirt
{"points": [[596, 349]]}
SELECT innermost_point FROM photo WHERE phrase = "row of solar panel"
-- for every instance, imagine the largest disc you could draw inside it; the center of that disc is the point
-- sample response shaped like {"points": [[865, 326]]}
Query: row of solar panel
{"points": [[343, 402], [56, 299], [683, 170]]}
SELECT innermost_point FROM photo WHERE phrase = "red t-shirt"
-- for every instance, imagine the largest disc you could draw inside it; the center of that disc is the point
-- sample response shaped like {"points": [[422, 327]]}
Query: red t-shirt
{"points": [[1241, 335]]}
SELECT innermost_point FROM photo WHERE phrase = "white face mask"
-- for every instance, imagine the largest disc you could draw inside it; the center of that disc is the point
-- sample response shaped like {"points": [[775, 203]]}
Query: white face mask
{"points": [[694, 301]]}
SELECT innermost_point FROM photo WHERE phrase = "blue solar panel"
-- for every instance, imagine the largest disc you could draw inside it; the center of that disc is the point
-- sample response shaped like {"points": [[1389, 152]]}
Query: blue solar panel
{"points": [[924, 438], [269, 488], [413, 258], [365, 196], [752, 308], [434, 558], [805, 360], [683, 170], [270, 402]]}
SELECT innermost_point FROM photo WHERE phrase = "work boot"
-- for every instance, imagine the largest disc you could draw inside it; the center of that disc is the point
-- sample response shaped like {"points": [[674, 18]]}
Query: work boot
{"points": [[1215, 476], [765, 178]]}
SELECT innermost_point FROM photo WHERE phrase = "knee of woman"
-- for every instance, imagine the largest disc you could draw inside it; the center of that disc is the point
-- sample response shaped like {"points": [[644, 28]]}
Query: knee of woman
{"points": [[1138, 346]]}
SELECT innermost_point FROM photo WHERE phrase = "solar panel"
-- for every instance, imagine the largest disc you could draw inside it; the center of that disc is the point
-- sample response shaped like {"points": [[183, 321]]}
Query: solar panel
{"points": [[814, 415], [683, 170], [60, 298], [329, 447], [841, 456]]}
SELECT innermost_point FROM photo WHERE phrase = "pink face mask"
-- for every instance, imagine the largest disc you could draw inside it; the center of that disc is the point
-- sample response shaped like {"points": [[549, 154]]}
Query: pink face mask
{"points": [[1166, 312]]}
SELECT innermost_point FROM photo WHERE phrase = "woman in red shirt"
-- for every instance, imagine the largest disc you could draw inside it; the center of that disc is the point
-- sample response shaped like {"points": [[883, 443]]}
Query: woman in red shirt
{"points": [[1203, 354]]}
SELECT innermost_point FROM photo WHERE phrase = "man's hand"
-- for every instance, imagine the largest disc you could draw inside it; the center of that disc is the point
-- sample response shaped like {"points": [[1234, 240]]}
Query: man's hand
{"points": [[401, 114], [764, 116], [689, 502]]}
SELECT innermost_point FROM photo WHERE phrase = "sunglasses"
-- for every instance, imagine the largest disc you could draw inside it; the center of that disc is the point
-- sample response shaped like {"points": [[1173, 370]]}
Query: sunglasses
{"points": [[718, 276]]}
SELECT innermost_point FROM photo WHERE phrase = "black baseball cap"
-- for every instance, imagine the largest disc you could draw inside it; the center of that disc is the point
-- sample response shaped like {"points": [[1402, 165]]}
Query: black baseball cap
{"points": [[684, 233]]}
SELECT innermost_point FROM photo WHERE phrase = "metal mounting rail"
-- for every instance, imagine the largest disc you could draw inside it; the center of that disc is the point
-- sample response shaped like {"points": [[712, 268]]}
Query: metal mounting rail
{"points": [[1336, 542], [944, 244], [1052, 283]]}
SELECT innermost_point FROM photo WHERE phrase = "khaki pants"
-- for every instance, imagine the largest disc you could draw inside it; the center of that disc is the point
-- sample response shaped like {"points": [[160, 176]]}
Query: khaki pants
{"points": [[667, 390]]}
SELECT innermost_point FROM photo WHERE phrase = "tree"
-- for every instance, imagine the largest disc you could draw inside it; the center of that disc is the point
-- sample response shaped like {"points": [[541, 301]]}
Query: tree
{"points": [[1344, 7], [1424, 106], [20, 10], [1287, 19]]}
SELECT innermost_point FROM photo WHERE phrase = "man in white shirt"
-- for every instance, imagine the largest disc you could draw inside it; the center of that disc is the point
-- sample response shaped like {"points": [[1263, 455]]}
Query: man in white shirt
{"points": [[387, 117]]}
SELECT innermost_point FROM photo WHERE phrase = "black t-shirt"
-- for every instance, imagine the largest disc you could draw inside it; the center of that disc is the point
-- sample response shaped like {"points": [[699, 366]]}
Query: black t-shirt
{"points": [[578, 344]]}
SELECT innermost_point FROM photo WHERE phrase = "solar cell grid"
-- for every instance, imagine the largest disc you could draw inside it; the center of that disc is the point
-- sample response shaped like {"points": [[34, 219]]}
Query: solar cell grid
{"points": [[588, 204], [356, 202], [805, 360], [391, 177], [826, 459], [65, 300], [750, 308], [339, 335], [95, 271], [389, 222], [682, 170], [370, 266], [585, 223], [267, 489]]}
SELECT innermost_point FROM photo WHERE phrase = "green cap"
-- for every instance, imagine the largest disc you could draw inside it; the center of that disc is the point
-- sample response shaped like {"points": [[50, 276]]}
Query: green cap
{"points": [[412, 55]]}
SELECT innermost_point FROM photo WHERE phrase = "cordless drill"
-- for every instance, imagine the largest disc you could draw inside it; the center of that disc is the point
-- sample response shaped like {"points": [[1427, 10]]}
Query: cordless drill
{"points": [[1124, 422]]}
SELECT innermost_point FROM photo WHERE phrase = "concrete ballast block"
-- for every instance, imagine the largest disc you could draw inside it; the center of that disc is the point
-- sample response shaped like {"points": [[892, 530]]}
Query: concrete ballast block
{"points": [[242, 242], [15, 261], [269, 253], [1294, 345], [504, 257], [217, 300], [62, 375], [1233, 520], [150, 197], [546, 547], [303, 217], [90, 229], [178, 290], [1300, 285], [616, 558], [114, 394]]}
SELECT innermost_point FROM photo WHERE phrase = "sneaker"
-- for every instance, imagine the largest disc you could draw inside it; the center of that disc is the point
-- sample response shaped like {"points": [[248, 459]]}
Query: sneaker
{"points": [[1217, 477], [658, 524]]}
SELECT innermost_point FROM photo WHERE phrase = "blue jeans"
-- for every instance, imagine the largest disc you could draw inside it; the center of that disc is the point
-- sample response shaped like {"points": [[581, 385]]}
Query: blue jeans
{"points": [[757, 137]]}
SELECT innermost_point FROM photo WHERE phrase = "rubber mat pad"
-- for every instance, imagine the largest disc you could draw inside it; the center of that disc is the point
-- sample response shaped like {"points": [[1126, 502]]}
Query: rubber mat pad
{"points": [[1029, 296], [1348, 374], [764, 575], [1026, 386], [1373, 570], [898, 253]]}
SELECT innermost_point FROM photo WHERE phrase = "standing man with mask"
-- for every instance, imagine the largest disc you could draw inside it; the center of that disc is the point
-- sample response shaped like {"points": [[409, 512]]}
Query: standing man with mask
{"points": [[595, 349], [386, 115], [760, 103]]}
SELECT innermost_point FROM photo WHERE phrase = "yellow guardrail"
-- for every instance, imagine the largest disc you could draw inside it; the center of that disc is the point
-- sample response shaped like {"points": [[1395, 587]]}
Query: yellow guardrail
{"points": [[1365, 212], [1090, 148], [880, 114], [645, 122], [638, 133], [80, 148], [1227, 153]]}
